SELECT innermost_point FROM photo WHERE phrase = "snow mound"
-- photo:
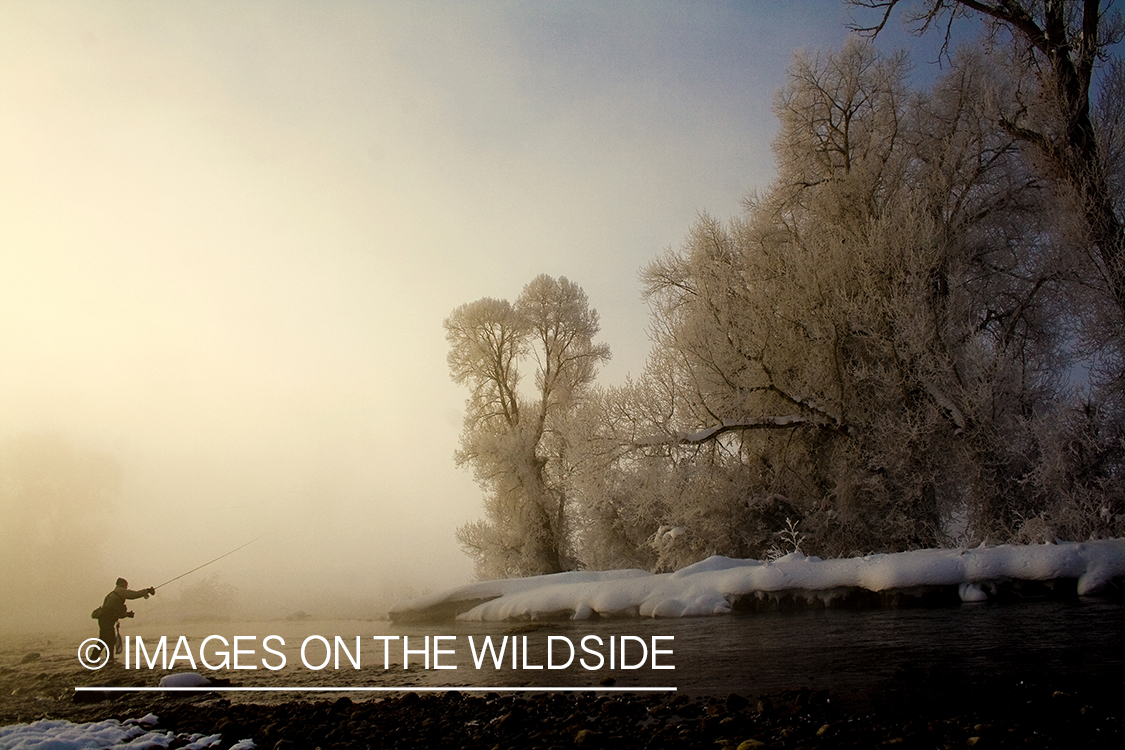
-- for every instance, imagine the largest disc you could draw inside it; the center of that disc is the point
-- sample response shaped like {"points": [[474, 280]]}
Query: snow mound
{"points": [[58, 734], [714, 585], [184, 680]]}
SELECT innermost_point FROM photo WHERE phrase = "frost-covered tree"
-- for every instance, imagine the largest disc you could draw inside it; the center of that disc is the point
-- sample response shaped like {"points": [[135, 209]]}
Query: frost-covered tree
{"points": [[517, 439], [864, 351], [1057, 90]]}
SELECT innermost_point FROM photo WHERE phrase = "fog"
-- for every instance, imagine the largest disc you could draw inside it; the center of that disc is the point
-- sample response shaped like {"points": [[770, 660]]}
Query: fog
{"points": [[229, 234]]}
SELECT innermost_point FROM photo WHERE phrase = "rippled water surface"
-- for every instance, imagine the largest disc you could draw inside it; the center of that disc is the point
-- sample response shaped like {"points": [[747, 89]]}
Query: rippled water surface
{"points": [[853, 654], [863, 651]]}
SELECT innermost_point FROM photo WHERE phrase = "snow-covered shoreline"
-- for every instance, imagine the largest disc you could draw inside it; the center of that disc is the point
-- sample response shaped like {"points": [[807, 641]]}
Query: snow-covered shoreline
{"points": [[713, 586], [60, 734]]}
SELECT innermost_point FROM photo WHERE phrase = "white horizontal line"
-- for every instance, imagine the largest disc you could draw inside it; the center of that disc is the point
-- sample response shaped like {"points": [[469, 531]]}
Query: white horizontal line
{"points": [[404, 689]]}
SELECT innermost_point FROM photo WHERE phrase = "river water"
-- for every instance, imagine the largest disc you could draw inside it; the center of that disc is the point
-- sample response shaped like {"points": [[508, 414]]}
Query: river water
{"points": [[913, 654]]}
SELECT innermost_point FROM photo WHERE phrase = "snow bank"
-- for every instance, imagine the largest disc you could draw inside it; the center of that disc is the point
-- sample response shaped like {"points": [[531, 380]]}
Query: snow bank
{"points": [[711, 586], [58, 734]]}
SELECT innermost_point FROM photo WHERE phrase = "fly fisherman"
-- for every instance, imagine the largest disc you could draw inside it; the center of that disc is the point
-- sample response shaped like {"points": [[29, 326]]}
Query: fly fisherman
{"points": [[113, 609]]}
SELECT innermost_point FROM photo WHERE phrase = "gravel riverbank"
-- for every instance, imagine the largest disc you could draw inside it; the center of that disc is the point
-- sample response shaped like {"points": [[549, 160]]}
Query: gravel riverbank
{"points": [[1010, 716]]}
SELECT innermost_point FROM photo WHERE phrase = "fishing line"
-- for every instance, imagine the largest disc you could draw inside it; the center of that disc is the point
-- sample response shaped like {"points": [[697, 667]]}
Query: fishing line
{"points": [[204, 565]]}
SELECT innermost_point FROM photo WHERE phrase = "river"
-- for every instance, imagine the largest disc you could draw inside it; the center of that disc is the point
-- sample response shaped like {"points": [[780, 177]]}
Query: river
{"points": [[912, 654]]}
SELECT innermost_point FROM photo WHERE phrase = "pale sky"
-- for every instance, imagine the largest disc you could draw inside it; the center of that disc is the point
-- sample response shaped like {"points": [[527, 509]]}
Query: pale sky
{"points": [[230, 233]]}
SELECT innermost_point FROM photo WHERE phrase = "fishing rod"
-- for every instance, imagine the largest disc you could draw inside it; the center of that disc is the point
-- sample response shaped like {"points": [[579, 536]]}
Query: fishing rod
{"points": [[204, 565]]}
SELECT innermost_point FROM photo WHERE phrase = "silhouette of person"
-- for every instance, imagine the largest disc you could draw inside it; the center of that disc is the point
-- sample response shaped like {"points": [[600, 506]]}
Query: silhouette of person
{"points": [[114, 609]]}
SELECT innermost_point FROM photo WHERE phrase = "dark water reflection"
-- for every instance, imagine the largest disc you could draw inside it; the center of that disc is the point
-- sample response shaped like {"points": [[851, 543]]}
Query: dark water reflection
{"points": [[910, 654]]}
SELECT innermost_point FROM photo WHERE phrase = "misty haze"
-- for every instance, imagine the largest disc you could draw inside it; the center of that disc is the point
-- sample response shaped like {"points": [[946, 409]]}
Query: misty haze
{"points": [[767, 353]]}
